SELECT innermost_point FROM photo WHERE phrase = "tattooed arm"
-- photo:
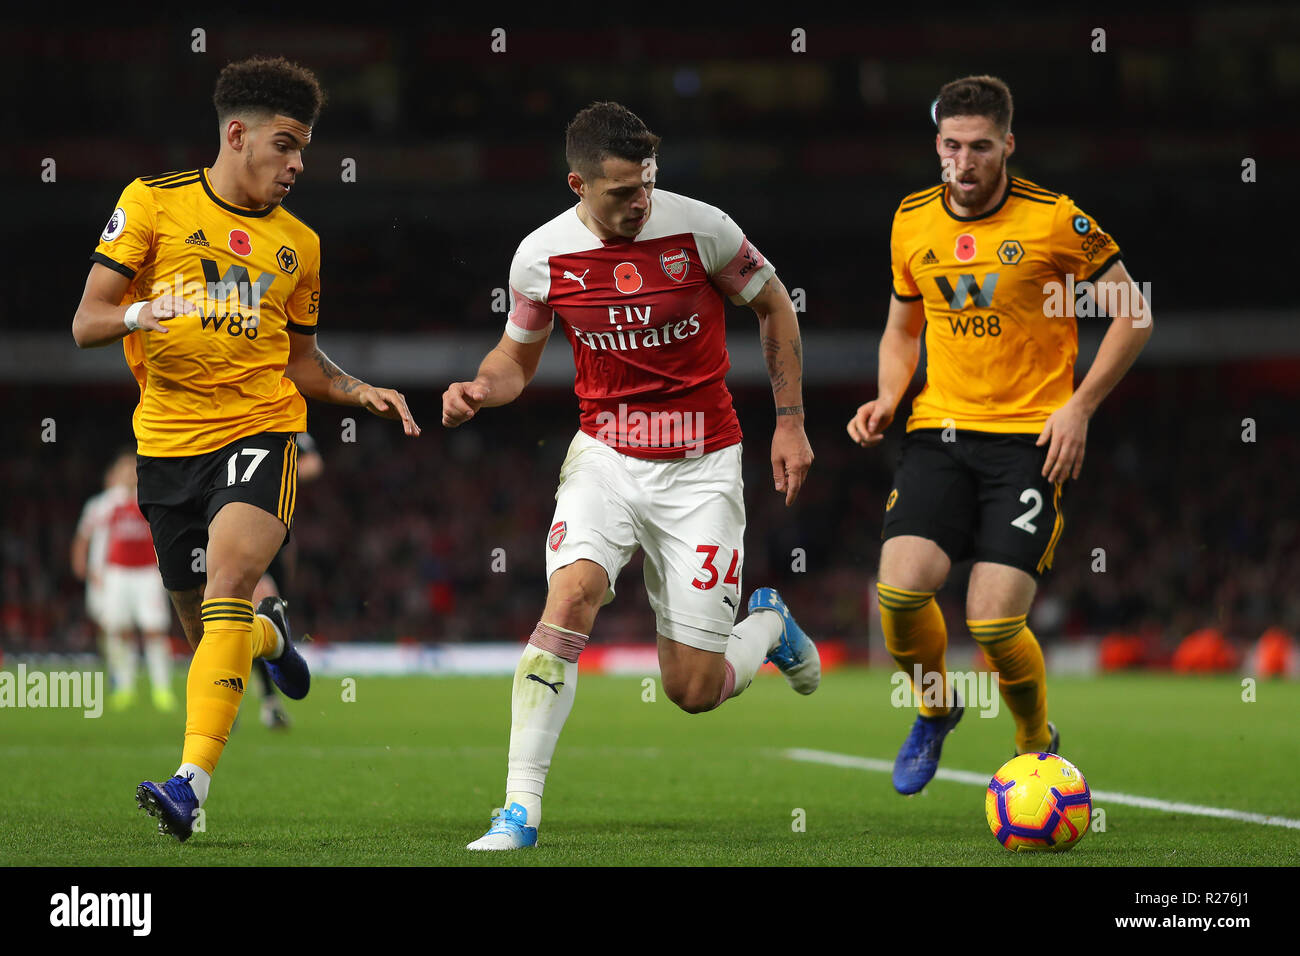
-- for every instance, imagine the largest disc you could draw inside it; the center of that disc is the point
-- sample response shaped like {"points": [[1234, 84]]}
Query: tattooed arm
{"points": [[317, 377], [779, 328]]}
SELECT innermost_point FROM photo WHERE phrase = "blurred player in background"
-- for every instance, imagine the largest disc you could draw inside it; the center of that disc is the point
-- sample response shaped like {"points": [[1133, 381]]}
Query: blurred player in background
{"points": [[999, 426], [279, 577], [638, 284], [86, 557], [113, 547], [215, 289]]}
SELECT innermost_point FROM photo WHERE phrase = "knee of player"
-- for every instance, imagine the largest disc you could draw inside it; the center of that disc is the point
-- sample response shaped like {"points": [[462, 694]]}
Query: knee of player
{"points": [[231, 582], [691, 696]]}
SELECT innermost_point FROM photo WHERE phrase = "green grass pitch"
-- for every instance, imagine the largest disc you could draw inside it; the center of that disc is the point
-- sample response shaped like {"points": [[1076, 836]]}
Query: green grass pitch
{"points": [[410, 771]]}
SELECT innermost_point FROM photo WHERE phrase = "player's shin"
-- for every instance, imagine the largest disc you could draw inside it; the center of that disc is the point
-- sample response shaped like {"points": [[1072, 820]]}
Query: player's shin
{"points": [[546, 682], [750, 642], [218, 674], [915, 636], [1013, 651]]}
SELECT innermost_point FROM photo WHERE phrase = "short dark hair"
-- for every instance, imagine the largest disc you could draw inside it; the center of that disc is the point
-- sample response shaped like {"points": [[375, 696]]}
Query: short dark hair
{"points": [[271, 85], [975, 96], [603, 130]]}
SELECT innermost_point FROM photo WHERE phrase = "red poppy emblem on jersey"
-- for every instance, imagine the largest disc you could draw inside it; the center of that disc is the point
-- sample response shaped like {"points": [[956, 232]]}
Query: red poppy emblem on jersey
{"points": [[626, 279], [558, 530], [965, 250], [239, 243], [676, 263]]}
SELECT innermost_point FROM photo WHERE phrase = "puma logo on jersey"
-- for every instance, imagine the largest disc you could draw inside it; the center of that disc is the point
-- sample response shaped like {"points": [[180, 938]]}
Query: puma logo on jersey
{"points": [[581, 280], [555, 687]]}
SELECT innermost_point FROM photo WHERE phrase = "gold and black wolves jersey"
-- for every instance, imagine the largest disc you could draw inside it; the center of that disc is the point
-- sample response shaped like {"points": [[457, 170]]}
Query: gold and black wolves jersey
{"points": [[997, 358], [217, 376]]}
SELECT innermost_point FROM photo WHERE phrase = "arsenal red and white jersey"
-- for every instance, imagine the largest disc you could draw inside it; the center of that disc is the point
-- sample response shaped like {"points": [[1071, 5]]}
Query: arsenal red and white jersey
{"points": [[645, 317], [130, 543], [93, 526]]}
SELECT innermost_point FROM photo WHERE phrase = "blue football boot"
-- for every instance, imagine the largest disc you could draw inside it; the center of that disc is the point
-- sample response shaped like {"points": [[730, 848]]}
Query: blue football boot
{"points": [[795, 655], [289, 670], [173, 802], [918, 759], [509, 831]]}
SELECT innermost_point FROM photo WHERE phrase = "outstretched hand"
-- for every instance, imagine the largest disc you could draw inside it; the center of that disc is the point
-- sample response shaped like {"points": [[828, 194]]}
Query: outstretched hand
{"points": [[868, 426], [388, 403]]}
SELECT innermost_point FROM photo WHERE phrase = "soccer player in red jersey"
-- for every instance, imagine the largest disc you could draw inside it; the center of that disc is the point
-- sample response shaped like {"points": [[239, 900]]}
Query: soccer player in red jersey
{"points": [[113, 551], [636, 276]]}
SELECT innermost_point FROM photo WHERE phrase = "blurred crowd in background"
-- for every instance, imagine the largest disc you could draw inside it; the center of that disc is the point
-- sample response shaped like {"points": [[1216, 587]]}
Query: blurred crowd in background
{"points": [[457, 151], [441, 538]]}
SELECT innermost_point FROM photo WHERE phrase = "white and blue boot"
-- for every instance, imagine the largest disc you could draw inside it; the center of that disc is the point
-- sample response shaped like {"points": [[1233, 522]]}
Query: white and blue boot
{"points": [[509, 831], [795, 655]]}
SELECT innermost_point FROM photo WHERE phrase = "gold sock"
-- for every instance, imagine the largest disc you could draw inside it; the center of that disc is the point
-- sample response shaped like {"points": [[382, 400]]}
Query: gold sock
{"points": [[218, 673], [1013, 651], [915, 634]]}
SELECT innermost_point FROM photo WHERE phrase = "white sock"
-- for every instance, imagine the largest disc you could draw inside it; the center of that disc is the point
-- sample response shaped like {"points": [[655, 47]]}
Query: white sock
{"points": [[279, 641], [539, 708], [158, 658], [750, 642], [121, 661], [532, 802], [202, 780]]}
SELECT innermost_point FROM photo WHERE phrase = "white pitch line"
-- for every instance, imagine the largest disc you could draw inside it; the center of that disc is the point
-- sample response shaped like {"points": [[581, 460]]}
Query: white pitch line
{"points": [[1098, 796]]}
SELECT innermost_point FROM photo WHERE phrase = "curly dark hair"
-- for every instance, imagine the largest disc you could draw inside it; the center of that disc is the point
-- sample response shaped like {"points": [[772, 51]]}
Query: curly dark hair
{"points": [[603, 130], [269, 84], [976, 96]]}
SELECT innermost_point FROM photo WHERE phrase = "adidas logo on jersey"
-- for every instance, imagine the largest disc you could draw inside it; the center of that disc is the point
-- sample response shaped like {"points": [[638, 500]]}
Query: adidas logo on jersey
{"points": [[198, 239], [234, 683], [929, 258]]}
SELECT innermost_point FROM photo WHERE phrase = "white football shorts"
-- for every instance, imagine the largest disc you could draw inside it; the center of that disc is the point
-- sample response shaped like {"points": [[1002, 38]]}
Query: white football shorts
{"points": [[686, 514], [95, 603], [134, 597]]}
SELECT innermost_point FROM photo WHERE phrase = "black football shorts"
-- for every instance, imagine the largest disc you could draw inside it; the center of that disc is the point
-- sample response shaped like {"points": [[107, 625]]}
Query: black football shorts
{"points": [[180, 497], [980, 495]]}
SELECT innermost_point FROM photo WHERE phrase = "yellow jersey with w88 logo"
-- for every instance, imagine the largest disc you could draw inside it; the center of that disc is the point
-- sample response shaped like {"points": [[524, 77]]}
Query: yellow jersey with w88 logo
{"points": [[1001, 337], [218, 375]]}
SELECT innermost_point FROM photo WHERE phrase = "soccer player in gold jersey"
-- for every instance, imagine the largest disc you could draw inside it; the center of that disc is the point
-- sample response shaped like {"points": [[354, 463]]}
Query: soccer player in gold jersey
{"points": [[214, 289], [981, 264]]}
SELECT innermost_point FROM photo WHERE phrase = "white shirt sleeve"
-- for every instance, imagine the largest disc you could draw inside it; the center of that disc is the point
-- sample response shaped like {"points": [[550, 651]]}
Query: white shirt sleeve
{"points": [[734, 264], [530, 317]]}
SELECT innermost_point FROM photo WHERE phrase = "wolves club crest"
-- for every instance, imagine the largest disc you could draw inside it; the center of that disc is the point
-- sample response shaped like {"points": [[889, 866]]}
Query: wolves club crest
{"points": [[558, 530], [676, 263]]}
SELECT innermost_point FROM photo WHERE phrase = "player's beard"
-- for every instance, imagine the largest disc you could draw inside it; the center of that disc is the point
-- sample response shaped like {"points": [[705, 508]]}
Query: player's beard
{"points": [[981, 195]]}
